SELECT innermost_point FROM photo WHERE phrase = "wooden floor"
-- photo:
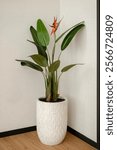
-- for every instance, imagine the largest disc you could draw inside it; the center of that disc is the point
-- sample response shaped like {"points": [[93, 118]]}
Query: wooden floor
{"points": [[30, 141]]}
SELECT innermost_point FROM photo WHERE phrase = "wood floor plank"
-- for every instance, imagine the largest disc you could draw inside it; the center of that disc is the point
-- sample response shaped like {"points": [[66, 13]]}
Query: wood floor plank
{"points": [[30, 141]]}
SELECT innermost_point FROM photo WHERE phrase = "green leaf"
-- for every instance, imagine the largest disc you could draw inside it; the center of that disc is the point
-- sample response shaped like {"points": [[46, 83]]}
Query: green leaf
{"points": [[38, 45], [54, 66], [68, 30], [30, 64], [41, 49], [66, 68], [34, 35], [39, 59], [42, 52], [42, 33], [68, 38]]}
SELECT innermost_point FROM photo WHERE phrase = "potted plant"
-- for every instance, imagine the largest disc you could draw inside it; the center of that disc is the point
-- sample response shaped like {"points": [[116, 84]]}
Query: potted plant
{"points": [[51, 108]]}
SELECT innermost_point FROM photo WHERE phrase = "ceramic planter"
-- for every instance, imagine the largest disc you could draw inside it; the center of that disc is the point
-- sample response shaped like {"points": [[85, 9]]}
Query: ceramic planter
{"points": [[51, 121]]}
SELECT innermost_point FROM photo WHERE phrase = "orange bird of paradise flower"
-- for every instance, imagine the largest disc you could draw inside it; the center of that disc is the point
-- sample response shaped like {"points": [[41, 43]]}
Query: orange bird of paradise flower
{"points": [[55, 26]]}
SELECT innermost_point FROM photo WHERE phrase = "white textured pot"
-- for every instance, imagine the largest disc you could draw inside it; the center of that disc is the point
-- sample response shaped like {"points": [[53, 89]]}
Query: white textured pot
{"points": [[51, 121]]}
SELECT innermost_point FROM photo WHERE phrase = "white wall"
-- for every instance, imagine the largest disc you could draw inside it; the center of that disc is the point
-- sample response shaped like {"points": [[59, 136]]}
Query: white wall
{"points": [[20, 86], [79, 84]]}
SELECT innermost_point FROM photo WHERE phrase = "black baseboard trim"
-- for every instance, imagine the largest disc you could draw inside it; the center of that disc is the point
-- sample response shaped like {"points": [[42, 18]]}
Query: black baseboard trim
{"points": [[17, 131], [33, 128], [81, 136]]}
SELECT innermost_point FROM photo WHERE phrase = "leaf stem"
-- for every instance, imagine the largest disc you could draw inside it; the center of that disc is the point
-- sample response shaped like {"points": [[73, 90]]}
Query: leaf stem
{"points": [[60, 76], [59, 55], [44, 76], [49, 56], [46, 73], [54, 47]]}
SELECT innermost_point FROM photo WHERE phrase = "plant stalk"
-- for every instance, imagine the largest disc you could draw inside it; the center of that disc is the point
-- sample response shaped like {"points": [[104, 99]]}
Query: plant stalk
{"points": [[59, 55], [54, 47], [45, 81], [49, 56]]}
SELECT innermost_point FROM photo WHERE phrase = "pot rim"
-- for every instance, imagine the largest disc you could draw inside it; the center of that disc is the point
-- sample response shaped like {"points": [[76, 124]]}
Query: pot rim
{"points": [[54, 102]]}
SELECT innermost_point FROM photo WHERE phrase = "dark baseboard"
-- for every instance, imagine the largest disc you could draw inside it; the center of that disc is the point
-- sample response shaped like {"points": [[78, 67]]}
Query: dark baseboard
{"points": [[33, 128], [81, 136], [17, 131]]}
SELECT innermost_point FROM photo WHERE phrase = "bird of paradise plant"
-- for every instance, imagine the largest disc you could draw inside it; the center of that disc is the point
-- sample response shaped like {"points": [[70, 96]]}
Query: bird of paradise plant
{"points": [[46, 63]]}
